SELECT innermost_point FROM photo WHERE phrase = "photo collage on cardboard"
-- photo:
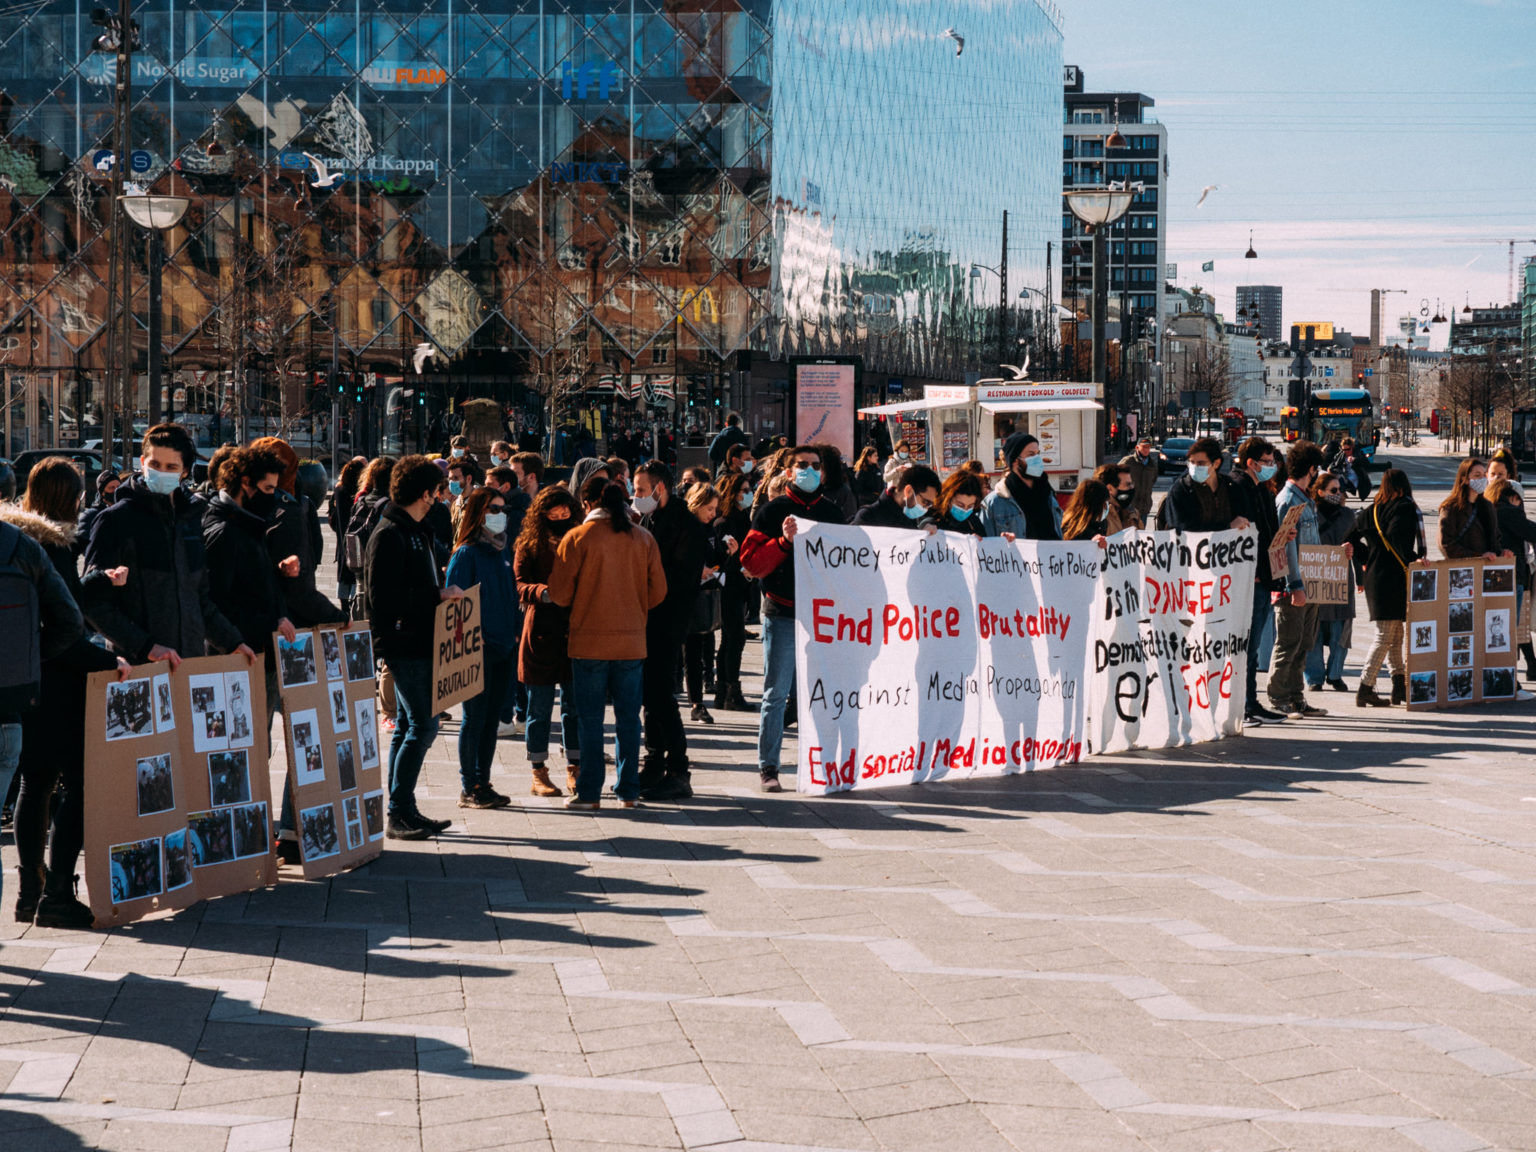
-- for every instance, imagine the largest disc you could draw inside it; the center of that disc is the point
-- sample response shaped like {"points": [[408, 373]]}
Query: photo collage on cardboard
{"points": [[327, 680], [176, 787], [1461, 638]]}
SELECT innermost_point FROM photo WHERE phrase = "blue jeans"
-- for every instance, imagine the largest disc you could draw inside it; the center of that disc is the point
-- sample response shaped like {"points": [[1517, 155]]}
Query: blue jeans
{"points": [[594, 681], [541, 703], [1263, 613], [10, 756], [1330, 635], [415, 729], [477, 734], [778, 682]]}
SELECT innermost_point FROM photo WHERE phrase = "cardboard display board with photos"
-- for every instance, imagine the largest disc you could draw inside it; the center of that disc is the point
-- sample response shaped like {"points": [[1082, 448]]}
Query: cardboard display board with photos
{"points": [[177, 804], [326, 678], [1461, 633]]}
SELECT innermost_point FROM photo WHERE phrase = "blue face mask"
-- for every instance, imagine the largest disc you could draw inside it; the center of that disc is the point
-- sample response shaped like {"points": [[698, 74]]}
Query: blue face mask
{"points": [[916, 512], [1199, 473], [455, 488], [744, 500], [495, 523], [807, 479], [1034, 466], [162, 483], [961, 515], [1267, 473]]}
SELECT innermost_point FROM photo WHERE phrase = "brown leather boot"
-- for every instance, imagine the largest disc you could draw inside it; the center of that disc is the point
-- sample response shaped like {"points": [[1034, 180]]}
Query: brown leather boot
{"points": [[570, 778], [542, 785]]}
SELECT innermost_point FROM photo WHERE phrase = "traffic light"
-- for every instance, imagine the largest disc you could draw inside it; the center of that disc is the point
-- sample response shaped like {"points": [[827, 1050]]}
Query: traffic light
{"points": [[339, 382]]}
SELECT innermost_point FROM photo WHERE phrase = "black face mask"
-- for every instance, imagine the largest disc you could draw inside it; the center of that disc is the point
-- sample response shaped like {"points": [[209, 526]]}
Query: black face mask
{"points": [[261, 504], [558, 528], [1124, 498]]}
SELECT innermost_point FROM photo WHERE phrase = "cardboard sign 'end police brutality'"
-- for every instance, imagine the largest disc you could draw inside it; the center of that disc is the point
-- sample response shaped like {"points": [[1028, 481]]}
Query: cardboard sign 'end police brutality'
{"points": [[458, 651]]}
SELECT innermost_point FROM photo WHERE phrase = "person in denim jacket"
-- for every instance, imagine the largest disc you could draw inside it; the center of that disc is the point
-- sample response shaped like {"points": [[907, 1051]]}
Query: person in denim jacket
{"points": [[1295, 618], [1023, 505]]}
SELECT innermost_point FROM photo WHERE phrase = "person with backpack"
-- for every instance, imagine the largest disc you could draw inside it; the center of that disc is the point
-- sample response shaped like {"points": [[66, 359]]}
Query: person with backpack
{"points": [[155, 529], [403, 586], [50, 804], [729, 435]]}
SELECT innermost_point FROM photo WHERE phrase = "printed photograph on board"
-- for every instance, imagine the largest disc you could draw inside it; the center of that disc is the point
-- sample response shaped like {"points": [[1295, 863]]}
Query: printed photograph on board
{"points": [[317, 832], [1421, 688], [367, 734], [178, 865], [351, 809], [135, 869], [229, 777], [156, 793], [1459, 617], [330, 649], [1461, 651], [308, 759], [1458, 686], [339, 707], [354, 836], [237, 689], [165, 715], [1459, 581], [296, 660], [373, 813], [1498, 683], [129, 710], [1424, 585], [1499, 581], [210, 732], [346, 766], [252, 836], [359, 646], [210, 838], [1421, 636], [1496, 630]]}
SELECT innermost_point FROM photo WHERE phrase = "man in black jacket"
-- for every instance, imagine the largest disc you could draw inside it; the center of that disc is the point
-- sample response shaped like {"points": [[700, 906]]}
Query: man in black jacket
{"points": [[729, 435], [242, 577], [294, 532], [767, 554], [155, 530], [908, 503], [684, 546], [1202, 500], [1256, 466], [404, 590]]}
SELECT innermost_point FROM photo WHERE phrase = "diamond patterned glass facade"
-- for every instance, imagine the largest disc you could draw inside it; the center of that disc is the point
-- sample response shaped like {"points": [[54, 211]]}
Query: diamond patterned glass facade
{"points": [[555, 196]]}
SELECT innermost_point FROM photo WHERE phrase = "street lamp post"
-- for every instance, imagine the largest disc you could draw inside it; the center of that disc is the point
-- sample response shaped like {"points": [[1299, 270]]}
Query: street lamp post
{"points": [[155, 214], [1098, 209]]}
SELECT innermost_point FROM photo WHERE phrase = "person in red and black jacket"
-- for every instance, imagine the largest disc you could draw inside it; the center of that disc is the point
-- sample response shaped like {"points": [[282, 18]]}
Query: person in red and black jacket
{"points": [[768, 555]]}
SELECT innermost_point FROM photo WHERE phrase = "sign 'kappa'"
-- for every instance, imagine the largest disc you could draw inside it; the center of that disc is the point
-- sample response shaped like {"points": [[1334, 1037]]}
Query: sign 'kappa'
{"points": [[458, 651]]}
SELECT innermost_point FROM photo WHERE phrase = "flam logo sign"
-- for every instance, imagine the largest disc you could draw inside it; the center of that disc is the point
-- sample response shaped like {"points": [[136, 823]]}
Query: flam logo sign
{"points": [[575, 83], [380, 74]]}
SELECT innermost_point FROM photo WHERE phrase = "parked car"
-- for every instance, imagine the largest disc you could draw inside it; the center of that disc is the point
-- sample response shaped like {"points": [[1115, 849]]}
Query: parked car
{"points": [[87, 461], [1175, 454]]}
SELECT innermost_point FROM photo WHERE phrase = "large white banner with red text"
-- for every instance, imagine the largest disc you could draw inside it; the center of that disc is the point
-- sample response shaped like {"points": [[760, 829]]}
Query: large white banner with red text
{"points": [[1170, 638], [940, 657], [937, 657]]}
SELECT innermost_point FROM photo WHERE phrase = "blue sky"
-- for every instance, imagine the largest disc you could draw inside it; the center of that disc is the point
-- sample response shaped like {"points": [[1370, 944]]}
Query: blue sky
{"points": [[1354, 138]]}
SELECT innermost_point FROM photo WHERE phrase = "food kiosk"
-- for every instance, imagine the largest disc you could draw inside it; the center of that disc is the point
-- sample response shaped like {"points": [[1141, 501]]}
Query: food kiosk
{"points": [[955, 423]]}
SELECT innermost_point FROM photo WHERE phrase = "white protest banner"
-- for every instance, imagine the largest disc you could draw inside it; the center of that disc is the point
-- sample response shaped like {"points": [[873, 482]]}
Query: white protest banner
{"points": [[1170, 643], [922, 657]]}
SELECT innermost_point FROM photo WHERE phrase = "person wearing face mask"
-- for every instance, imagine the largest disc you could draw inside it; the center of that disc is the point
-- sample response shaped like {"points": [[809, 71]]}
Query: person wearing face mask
{"points": [[910, 502], [738, 459], [243, 579], [464, 476], [1335, 622], [155, 529], [458, 448], [1255, 482], [501, 454], [1295, 616], [729, 436], [733, 522], [1202, 500], [481, 556], [684, 545], [1518, 533], [295, 531], [1121, 513], [767, 554], [1087, 513], [1145, 465], [1469, 525], [543, 654], [868, 482], [1023, 504], [900, 460], [960, 501]]}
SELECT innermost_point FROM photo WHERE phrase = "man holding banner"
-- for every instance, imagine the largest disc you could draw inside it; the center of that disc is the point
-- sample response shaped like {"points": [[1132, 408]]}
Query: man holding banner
{"points": [[1295, 617]]}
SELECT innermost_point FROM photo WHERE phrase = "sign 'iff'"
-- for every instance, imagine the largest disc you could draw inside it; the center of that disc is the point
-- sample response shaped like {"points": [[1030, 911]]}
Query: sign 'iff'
{"points": [[458, 651]]}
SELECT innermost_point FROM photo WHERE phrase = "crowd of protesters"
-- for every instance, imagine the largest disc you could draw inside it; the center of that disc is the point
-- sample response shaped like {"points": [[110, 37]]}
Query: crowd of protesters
{"points": [[616, 583]]}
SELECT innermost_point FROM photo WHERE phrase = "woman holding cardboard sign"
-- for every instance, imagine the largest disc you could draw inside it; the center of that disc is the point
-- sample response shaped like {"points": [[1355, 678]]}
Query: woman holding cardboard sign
{"points": [[1389, 534], [1335, 622]]}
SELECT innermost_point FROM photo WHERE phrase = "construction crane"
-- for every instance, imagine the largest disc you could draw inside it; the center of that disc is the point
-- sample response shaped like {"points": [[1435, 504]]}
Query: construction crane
{"points": [[1500, 240]]}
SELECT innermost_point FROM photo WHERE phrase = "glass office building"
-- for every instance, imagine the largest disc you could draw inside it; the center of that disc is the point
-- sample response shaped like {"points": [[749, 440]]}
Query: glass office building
{"points": [[625, 207]]}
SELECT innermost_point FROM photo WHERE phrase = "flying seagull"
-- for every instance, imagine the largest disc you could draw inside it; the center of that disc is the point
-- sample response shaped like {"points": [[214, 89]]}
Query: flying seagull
{"points": [[1020, 371], [957, 38], [1206, 191], [324, 177]]}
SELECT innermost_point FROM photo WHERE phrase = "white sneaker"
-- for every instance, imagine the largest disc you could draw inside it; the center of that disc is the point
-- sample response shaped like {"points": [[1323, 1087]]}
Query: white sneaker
{"points": [[505, 731]]}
